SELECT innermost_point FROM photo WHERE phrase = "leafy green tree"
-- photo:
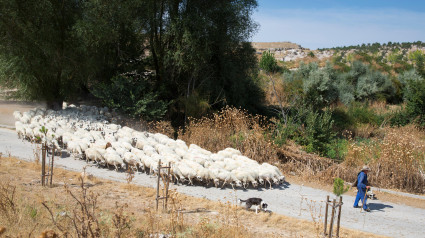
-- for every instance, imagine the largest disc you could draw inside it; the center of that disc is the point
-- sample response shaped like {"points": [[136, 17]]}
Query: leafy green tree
{"points": [[319, 90], [269, 65], [133, 96], [112, 39], [202, 47], [39, 54], [415, 99]]}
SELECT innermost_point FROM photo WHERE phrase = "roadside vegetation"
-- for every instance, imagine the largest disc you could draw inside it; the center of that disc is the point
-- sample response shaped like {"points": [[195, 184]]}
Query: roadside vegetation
{"points": [[188, 68], [79, 205]]}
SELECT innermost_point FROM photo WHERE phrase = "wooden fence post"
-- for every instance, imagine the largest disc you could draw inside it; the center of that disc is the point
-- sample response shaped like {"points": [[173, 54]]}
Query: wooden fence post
{"points": [[332, 218], [168, 184], [326, 215], [51, 169], [157, 185], [339, 216], [43, 163]]}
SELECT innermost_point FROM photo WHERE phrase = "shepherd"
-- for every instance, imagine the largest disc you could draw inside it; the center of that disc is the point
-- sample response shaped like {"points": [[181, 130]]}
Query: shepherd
{"points": [[362, 187]]}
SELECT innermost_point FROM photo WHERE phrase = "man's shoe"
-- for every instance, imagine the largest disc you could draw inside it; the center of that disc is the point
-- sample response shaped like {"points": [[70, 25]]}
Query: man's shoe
{"points": [[356, 206], [366, 210]]}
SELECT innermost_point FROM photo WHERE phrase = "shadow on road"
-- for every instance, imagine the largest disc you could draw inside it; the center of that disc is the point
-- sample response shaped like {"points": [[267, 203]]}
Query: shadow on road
{"points": [[378, 206]]}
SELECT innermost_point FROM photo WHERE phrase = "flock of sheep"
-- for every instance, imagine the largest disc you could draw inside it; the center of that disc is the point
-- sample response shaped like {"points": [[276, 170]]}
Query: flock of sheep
{"points": [[86, 134]]}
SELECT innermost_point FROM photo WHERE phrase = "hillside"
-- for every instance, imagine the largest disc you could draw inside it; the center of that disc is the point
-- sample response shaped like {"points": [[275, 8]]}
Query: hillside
{"points": [[384, 55]]}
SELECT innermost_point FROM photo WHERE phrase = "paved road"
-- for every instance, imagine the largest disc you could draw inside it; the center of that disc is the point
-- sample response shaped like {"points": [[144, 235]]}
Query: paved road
{"points": [[291, 200]]}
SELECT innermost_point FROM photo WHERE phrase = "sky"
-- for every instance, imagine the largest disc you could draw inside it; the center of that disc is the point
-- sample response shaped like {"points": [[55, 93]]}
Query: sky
{"points": [[330, 23]]}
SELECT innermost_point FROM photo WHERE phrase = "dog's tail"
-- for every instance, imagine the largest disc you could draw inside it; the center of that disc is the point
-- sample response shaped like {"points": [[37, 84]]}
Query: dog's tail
{"points": [[241, 201]]}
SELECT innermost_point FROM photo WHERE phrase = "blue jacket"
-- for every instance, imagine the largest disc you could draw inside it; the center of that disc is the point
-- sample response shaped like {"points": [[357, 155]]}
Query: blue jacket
{"points": [[362, 181]]}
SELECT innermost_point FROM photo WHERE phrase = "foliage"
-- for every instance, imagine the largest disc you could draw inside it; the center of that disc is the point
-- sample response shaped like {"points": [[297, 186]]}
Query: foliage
{"points": [[268, 62], [60, 50], [361, 113], [132, 95], [415, 100], [111, 37], [400, 118], [39, 54], [337, 149], [339, 188], [202, 47], [317, 133], [319, 90]]}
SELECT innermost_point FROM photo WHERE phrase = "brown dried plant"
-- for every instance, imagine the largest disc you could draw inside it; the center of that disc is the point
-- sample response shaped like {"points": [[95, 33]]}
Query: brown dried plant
{"points": [[397, 161], [83, 215], [8, 201], [232, 127]]}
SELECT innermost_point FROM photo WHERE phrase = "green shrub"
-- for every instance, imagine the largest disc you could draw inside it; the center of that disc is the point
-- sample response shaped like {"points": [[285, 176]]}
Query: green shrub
{"points": [[317, 133], [339, 187], [360, 113], [282, 133], [133, 96], [415, 101], [400, 118], [342, 120], [337, 149]]}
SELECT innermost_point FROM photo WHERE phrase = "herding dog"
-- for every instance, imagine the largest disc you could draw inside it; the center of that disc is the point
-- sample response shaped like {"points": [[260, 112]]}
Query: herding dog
{"points": [[257, 202]]}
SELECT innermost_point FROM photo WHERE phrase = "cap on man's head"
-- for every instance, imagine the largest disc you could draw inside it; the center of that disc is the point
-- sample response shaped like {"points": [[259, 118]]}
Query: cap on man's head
{"points": [[365, 168]]}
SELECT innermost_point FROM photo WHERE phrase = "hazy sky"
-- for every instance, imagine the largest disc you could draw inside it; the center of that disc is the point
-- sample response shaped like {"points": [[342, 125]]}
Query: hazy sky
{"points": [[327, 23]]}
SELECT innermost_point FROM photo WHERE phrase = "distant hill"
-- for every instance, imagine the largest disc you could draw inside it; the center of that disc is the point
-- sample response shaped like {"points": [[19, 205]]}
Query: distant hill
{"points": [[274, 46], [383, 55]]}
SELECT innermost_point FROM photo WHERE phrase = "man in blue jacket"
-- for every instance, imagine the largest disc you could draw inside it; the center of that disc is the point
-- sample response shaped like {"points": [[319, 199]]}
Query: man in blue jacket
{"points": [[362, 187]]}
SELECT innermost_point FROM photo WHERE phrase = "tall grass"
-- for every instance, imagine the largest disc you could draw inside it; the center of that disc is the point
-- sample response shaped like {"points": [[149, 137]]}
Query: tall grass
{"points": [[396, 161], [235, 128], [395, 155]]}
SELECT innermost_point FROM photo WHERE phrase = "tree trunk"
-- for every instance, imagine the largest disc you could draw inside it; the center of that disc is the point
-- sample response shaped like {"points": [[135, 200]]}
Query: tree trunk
{"points": [[54, 105]]}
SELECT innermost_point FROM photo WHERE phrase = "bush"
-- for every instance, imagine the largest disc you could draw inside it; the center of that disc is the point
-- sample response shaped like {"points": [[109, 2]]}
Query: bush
{"points": [[339, 187], [318, 133], [415, 100], [360, 113], [319, 90], [282, 133], [134, 96], [337, 149], [400, 118], [342, 120]]}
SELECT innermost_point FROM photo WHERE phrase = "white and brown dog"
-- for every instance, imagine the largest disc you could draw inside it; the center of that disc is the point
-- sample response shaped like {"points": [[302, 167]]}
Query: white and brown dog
{"points": [[257, 202]]}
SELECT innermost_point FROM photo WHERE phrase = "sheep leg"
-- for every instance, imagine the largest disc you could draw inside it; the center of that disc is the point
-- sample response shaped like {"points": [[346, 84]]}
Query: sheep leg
{"points": [[268, 180], [224, 183]]}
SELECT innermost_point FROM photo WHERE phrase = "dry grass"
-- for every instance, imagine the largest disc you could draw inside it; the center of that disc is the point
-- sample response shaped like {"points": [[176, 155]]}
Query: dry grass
{"points": [[113, 209], [235, 128], [397, 161], [396, 155]]}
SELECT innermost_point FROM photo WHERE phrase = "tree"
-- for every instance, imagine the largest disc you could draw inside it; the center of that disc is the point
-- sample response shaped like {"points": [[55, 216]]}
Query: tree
{"points": [[269, 65], [201, 48], [39, 54], [414, 96]]}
